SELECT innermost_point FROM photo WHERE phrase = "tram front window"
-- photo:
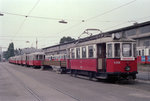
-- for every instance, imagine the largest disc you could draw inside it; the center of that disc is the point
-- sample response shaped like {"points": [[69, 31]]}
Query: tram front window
{"points": [[117, 50], [41, 57], [109, 50], [126, 50]]}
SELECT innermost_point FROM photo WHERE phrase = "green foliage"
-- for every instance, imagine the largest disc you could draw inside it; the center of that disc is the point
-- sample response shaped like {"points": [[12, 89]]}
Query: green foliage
{"points": [[10, 51], [66, 39]]}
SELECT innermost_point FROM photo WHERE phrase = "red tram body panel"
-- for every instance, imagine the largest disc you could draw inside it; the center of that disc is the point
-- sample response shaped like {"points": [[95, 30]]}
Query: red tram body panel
{"points": [[84, 64], [37, 62], [117, 65]]}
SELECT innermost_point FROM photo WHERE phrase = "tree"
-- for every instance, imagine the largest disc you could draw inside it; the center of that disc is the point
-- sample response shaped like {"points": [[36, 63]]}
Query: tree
{"points": [[10, 51], [66, 39]]}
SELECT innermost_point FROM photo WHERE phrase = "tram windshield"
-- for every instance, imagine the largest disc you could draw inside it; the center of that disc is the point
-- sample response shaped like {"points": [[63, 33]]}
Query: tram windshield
{"points": [[117, 50], [109, 50], [41, 57], [126, 49]]}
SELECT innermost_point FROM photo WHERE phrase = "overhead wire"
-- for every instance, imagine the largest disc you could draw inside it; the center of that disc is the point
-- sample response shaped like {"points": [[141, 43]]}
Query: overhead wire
{"points": [[67, 29], [33, 7], [21, 25], [111, 10], [125, 22], [26, 16]]}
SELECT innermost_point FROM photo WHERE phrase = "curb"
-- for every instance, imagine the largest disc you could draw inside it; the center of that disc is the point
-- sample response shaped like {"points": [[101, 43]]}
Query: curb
{"points": [[143, 81]]}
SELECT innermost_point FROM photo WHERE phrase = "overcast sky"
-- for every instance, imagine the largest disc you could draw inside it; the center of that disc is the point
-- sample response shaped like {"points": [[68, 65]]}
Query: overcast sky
{"points": [[105, 15]]}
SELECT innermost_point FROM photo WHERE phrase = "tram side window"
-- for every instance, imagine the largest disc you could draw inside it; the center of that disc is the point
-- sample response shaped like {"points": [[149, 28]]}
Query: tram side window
{"points": [[90, 49], [126, 50], [72, 54], [134, 50], [36, 57], [40, 57], [78, 53], [149, 52], [109, 50], [139, 53], [143, 52], [117, 50], [83, 52]]}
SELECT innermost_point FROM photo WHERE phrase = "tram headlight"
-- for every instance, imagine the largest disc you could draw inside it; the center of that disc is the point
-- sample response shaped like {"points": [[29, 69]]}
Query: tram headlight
{"points": [[127, 68], [116, 36]]}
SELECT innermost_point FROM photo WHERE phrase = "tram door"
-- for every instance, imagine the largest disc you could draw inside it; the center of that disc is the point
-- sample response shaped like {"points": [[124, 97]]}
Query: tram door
{"points": [[101, 55]]}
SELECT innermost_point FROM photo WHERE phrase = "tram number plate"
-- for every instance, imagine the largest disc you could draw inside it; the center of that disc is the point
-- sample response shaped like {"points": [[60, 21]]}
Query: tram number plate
{"points": [[116, 62]]}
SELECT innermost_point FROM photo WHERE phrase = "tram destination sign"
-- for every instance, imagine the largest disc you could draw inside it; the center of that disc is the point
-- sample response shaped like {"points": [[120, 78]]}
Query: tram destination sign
{"points": [[127, 58]]}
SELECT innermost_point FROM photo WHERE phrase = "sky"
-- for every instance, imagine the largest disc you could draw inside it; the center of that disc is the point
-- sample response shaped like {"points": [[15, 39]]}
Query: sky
{"points": [[26, 21]]}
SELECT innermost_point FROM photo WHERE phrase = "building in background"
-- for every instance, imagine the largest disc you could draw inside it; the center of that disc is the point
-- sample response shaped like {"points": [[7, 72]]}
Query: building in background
{"points": [[26, 51]]}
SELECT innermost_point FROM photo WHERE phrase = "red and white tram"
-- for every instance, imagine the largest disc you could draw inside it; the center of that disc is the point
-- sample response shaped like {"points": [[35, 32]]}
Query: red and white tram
{"points": [[105, 57], [33, 59]]}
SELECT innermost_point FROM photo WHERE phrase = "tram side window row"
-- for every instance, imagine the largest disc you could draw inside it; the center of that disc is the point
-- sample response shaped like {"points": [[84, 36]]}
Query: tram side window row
{"points": [[143, 52], [82, 52]]}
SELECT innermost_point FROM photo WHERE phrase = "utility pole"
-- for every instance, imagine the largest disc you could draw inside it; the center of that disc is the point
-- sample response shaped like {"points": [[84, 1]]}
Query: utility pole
{"points": [[36, 43]]}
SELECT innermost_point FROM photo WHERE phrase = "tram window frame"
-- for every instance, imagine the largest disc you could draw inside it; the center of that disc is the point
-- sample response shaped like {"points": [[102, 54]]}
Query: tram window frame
{"points": [[134, 50], [139, 53], [117, 50], [130, 50], [40, 57], [35, 57], [142, 52], [90, 51], [83, 52], [109, 50], [72, 54], [78, 53]]}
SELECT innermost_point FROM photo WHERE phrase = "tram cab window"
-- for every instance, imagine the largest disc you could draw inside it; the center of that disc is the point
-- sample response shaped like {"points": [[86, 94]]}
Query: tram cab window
{"points": [[36, 57], [83, 52], [41, 57], [78, 53], [90, 51], [126, 49], [117, 49], [109, 50]]}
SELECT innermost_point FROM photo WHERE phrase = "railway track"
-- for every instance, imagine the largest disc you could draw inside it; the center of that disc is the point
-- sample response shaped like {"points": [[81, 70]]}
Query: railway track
{"points": [[33, 93]]}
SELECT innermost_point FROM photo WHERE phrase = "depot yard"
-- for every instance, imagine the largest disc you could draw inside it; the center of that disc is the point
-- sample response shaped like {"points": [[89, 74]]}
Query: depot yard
{"points": [[19, 83]]}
